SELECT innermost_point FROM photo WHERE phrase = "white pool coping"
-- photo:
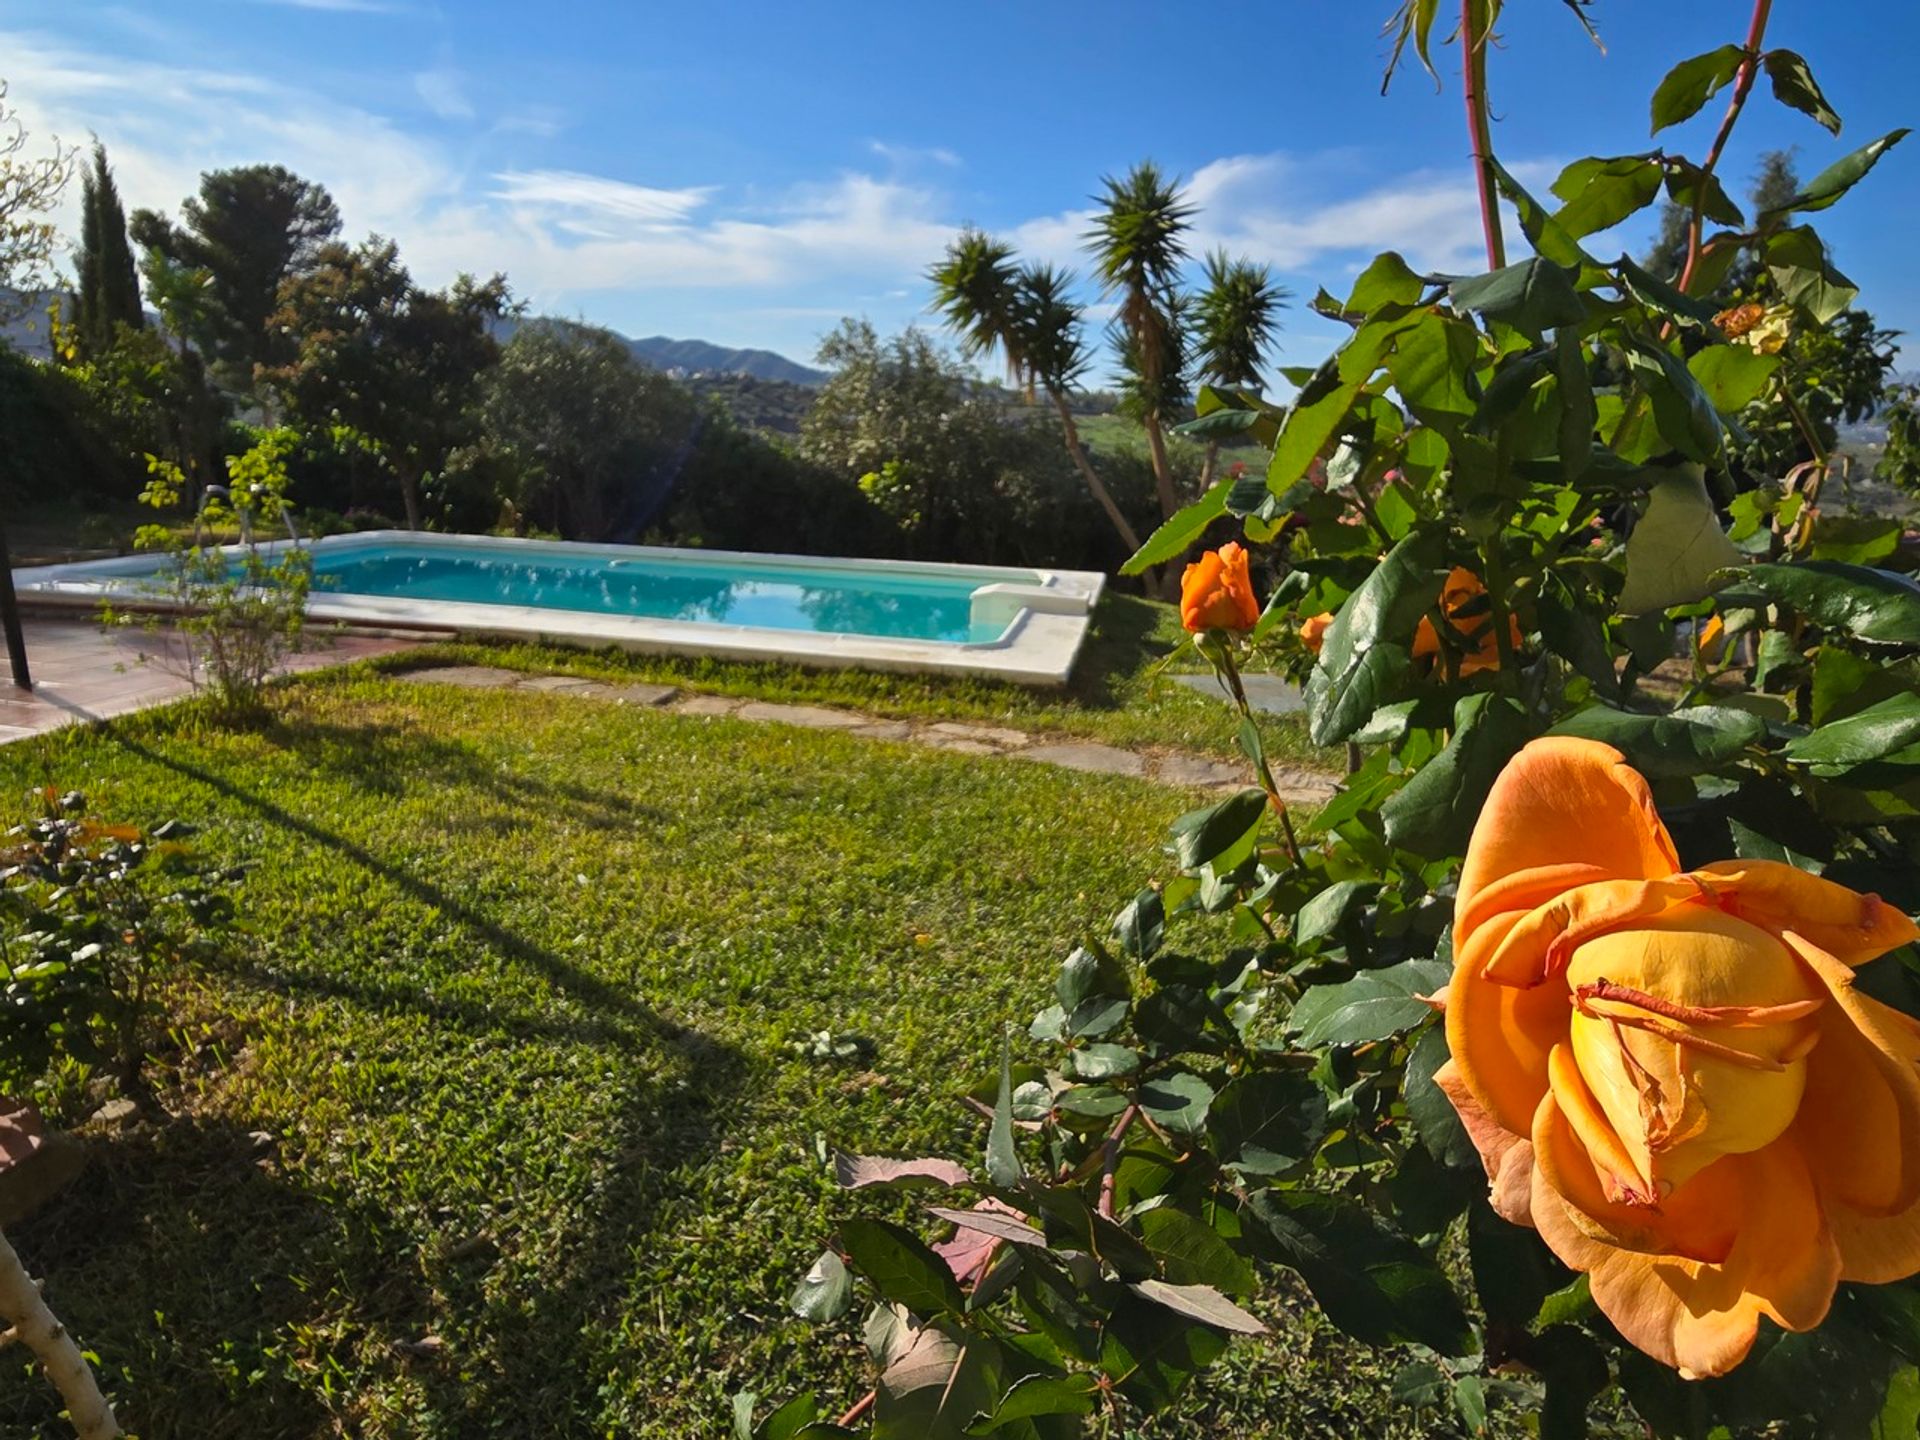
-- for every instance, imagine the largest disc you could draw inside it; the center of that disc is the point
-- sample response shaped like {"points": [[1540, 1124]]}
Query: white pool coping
{"points": [[1047, 613]]}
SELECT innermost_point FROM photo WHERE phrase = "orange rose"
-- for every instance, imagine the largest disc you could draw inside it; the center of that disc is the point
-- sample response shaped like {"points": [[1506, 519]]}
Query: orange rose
{"points": [[1670, 1075], [1462, 590], [1313, 630], [1216, 592]]}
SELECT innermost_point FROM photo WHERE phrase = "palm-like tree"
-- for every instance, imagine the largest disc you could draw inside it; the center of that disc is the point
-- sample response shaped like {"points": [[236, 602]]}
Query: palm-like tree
{"points": [[1137, 245], [1027, 316], [1235, 320]]}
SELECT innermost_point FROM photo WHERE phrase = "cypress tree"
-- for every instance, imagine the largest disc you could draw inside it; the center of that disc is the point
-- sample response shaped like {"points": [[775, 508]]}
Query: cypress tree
{"points": [[109, 289]]}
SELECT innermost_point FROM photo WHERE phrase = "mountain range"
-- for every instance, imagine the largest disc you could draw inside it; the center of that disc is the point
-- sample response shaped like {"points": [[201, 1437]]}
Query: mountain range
{"points": [[26, 332]]}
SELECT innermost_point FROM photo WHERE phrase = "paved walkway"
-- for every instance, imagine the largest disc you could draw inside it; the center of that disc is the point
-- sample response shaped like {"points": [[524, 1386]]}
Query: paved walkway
{"points": [[1197, 772], [83, 671]]}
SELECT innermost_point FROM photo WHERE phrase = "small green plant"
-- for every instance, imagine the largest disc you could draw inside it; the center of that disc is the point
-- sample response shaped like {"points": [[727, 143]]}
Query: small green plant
{"points": [[242, 609], [92, 918]]}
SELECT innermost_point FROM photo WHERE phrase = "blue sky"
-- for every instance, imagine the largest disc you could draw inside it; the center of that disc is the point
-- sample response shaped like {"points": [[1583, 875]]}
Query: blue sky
{"points": [[747, 172]]}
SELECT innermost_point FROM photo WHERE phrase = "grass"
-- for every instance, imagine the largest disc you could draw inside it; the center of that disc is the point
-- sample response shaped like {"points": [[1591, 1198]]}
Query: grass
{"points": [[1119, 692], [492, 1123]]}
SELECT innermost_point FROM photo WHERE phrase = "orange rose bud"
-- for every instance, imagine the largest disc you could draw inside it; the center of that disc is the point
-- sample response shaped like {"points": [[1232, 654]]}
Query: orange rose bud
{"points": [[1216, 592], [1313, 630], [1457, 597], [1669, 1074]]}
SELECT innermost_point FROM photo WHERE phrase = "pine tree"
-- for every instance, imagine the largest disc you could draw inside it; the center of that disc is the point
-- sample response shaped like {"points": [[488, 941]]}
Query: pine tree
{"points": [[109, 290]]}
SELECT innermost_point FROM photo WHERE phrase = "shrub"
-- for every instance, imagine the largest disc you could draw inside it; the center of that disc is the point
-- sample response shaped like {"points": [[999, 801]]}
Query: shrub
{"points": [[1622, 1186], [95, 916]]}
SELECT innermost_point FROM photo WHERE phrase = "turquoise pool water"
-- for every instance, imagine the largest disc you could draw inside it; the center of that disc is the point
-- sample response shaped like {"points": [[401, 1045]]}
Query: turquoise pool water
{"points": [[894, 604]]}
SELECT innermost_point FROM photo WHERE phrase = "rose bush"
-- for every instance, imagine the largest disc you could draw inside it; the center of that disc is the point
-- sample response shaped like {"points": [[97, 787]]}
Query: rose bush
{"points": [[1500, 511], [1668, 1073]]}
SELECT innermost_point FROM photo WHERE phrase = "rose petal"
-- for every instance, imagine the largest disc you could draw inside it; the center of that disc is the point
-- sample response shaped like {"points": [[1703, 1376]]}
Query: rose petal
{"points": [[1562, 802], [1508, 1157], [1543, 940], [1702, 1318], [1851, 927], [1499, 1037]]}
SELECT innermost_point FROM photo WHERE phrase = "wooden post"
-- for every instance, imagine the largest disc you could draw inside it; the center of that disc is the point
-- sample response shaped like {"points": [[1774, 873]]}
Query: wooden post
{"points": [[10, 619]]}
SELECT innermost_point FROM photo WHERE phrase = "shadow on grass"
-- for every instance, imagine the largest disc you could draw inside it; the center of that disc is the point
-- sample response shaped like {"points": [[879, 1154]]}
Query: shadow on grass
{"points": [[1119, 642], [389, 757], [191, 1265], [279, 1273]]}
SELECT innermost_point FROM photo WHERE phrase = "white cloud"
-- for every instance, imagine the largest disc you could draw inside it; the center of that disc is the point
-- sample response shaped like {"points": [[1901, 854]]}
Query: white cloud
{"points": [[904, 155], [572, 194], [444, 93]]}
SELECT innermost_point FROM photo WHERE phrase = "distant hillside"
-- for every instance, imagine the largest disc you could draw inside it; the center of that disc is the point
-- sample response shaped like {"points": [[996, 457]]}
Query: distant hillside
{"points": [[24, 322], [694, 357], [697, 357], [25, 330]]}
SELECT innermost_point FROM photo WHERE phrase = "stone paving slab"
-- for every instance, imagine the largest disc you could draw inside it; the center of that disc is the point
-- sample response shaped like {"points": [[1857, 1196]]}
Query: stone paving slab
{"points": [[707, 705], [992, 735], [955, 744], [885, 730], [1200, 772], [1094, 758], [467, 677], [810, 717]]}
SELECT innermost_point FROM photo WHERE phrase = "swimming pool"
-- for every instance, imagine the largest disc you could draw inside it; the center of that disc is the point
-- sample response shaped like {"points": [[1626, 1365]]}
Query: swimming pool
{"points": [[1024, 625]]}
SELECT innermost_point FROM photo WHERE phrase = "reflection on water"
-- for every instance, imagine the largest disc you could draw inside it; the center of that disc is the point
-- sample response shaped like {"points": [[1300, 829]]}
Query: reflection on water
{"points": [[916, 607]]}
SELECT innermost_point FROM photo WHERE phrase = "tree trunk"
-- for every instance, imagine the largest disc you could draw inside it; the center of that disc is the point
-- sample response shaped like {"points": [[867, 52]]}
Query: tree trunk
{"points": [[410, 497], [1206, 466], [1094, 484], [35, 1326], [1162, 474]]}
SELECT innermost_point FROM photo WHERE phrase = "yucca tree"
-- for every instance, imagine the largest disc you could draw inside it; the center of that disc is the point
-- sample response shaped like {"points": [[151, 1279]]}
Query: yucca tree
{"points": [[1027, 316], [1138, 247], [1235, 320]]}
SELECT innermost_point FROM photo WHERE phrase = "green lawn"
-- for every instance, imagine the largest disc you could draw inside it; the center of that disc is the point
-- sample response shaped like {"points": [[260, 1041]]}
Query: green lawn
{"points": [[492, 1125], [1120, 692]]}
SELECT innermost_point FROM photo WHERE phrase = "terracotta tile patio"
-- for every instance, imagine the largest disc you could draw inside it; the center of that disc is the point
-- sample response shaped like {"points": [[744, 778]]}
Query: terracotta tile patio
{"points": [[83, 672]]}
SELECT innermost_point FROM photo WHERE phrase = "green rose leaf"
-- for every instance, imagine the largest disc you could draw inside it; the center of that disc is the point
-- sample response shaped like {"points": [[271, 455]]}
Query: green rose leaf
{"points": [[1191, 1252], [1601, 193], [1692, 83], [1797, 261], [1435, 1120], [1366, 655], [1267, 1122], [1533, 296], [1732, 375], [1177, 1101], [1433, 813], [1795, 87], [901, 1266], [825, 1291], [1875, 733], [1677, 547], [1178, 534], [1371, 1280], [1204, 836], [1036, 1395], [1692, 741], [1374, 1005], [1855, 601], [1838, 178], [1685, 416]]}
